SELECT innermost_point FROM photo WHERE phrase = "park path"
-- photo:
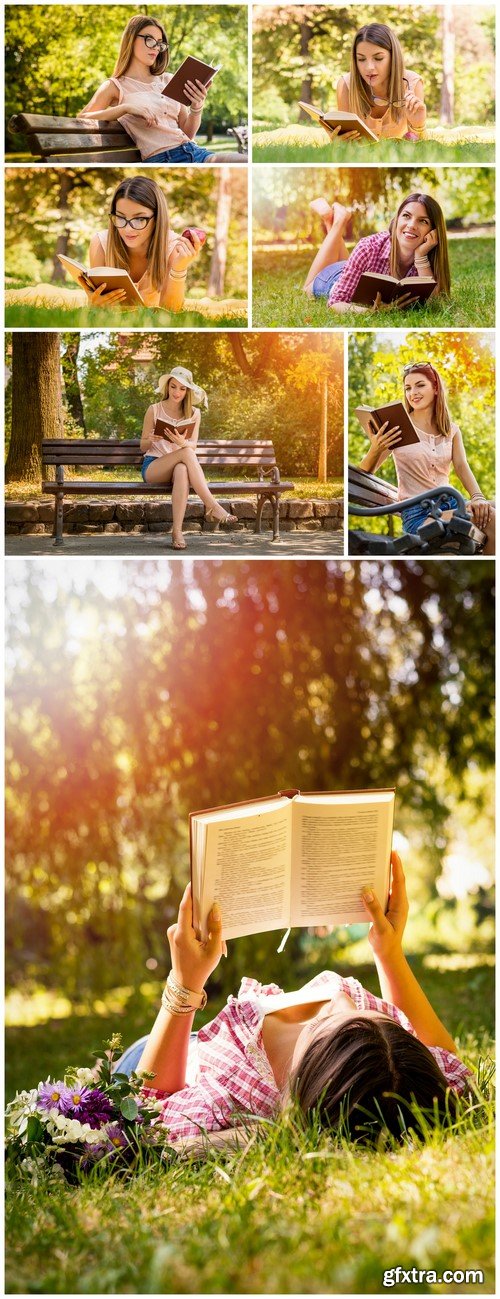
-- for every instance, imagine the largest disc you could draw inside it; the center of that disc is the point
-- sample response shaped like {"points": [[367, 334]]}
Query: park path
{"points": [[304, 545]]}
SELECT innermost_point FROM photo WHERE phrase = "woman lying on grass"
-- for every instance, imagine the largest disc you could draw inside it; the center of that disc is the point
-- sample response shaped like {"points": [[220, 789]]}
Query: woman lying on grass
{"points": [[140, 241], [361, 1063], [414, 244], [379, 89], [428, 463], [171, 456], [162, 128]]}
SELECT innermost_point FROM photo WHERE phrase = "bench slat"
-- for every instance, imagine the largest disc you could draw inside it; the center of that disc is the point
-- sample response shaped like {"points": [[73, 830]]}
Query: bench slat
{"points": [[82, 444], [36, 122], [117, 155], [82, 488]]}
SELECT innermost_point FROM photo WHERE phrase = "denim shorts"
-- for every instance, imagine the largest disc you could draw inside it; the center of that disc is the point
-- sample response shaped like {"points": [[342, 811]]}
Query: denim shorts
{"points": [[324, 281], [148, 460], [188, 152], [417, 514]]}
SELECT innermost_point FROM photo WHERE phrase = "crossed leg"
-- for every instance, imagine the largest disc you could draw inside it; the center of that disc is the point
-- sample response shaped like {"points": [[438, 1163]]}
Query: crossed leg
{"points": [[333, 248], [162, 470]]}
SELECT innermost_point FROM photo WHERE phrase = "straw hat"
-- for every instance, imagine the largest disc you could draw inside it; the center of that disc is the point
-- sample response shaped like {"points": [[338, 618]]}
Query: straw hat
{"points": [[185, 377]]}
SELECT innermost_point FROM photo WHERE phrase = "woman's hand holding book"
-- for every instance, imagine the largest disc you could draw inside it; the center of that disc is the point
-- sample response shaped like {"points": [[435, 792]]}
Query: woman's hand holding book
{"points": [[192, 960], [406, 300], [99, 297], [196, 92], [386, 931]]}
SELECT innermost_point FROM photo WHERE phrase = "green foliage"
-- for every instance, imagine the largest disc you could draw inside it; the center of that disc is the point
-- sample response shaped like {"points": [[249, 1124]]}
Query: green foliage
{"points": [[310, 144], [56, 57], [300, 54], [155, 689]]}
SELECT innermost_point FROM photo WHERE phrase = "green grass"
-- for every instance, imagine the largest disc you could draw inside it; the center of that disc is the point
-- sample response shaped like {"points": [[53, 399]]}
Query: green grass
{"points": [[279, 302], [309, 144], [20, 316], [294, 1214], [304, 488]]}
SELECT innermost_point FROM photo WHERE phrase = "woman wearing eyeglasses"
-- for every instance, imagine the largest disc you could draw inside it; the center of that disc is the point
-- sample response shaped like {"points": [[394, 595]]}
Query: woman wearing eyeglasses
{"points": [[162, 129], [378, 87], [140, 241], [428, 462]]}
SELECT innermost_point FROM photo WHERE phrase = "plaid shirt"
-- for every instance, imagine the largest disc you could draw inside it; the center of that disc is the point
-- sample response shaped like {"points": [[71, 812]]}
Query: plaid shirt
{"points": [[234, 1073], [371, 254]]}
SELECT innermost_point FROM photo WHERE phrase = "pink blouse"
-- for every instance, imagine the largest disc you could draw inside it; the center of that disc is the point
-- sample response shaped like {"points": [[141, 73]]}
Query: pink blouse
{"points": [[151, 139], [424, 464], [231, 1072], [150, 296], [384, 126], [162, 446]]}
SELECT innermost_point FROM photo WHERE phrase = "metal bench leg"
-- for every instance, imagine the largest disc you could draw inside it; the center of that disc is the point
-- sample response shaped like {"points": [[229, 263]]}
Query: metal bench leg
{"points": [[261, 500], [58, 519], [276, 517]]}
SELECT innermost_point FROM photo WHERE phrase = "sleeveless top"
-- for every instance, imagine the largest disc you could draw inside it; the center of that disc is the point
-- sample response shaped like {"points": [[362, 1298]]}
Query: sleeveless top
{"points": [[151, 139], [162, 446], [426, 463], [384, 126], [150, 295]]}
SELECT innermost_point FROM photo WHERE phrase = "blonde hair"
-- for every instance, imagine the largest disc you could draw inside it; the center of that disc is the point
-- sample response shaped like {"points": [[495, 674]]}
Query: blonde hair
{"points": [[359, 96], [187, 400], [148, 194], [438, 256], [133, 29], [442, 415]]}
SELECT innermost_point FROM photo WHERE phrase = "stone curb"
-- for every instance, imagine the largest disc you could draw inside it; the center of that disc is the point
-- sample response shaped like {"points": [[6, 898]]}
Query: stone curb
{"points": [[156, 516]]}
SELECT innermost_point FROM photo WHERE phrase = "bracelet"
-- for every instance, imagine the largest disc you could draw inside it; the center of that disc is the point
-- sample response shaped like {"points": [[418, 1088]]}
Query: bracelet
{"points": [[180, 1000], [177, 275], [478, 496]]}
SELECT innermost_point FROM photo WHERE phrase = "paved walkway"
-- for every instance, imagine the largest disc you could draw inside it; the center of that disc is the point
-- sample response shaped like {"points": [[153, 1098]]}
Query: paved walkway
{"points": [[208, 545]]}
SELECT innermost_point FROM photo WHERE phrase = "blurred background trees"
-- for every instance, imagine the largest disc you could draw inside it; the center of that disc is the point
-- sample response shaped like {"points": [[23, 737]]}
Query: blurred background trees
{"points": [[466, 364], [57, 55], [139, 691], [299, 52]]}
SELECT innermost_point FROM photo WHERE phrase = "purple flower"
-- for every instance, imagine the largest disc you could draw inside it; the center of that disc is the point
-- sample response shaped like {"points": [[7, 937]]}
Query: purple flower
{"points": [[54, 1096], [79, 1096], [94, 1107], [115, 1137]]}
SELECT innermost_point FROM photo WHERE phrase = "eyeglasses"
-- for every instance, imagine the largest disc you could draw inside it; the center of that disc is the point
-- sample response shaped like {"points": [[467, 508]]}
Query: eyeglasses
{"points": [[418, 366], [137, 223], [154, 45]]}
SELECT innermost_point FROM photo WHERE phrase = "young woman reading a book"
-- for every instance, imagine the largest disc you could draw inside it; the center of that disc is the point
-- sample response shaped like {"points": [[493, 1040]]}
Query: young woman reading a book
{"points": [[162, 128], [379, 89], [357, 1060], [139, 240], [414, 245], [429, 462], [171, 457]]}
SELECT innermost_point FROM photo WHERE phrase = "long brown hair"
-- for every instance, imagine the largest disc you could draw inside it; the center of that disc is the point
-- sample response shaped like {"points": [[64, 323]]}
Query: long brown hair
{"points": [[187, 400], [370, 1077], [148, 194], [359, 96], [438, 256], [134, 28], [441, 412]]}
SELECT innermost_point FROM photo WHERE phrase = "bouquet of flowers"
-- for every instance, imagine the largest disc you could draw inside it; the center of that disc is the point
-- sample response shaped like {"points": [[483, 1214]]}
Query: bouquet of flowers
{"points": [[89, 1117]]}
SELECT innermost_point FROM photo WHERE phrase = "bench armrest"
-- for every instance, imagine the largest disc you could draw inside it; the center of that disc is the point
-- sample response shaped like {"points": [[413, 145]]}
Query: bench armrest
{"points": [[430, 498]]}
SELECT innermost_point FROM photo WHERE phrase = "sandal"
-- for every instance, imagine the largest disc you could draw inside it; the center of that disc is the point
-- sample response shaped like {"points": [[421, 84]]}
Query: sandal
{"points": [[227, 521], [178, 543]]}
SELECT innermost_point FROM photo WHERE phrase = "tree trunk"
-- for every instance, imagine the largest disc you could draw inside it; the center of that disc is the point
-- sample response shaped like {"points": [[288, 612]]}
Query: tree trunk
{"points": [[323, 431], [219, 255], [69, 366], [447, 110], [209, 127], [65, 188], [306, 87], [36, 403]]}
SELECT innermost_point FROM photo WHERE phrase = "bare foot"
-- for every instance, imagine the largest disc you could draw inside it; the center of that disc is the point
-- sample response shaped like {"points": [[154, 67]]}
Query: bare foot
{"points": [[341, 214], [323, 210]]}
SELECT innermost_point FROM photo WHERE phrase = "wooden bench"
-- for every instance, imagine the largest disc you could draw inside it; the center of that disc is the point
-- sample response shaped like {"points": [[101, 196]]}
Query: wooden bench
{"points": [[257, 455], [71, 139], [372, 497]]}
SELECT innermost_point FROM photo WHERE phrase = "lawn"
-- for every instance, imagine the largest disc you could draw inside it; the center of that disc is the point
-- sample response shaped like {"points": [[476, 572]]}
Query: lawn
{"points": [[279, 302], [304, 488], [294, 1214], [210, 313], [302, 143]]}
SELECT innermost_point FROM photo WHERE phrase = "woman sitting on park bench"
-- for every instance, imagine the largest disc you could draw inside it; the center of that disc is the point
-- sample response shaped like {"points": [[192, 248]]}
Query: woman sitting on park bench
{"points": [[171, 456], [428, 463], [415, 244], [140, 240], [379, 89], [162, 128], [362, 1064]]}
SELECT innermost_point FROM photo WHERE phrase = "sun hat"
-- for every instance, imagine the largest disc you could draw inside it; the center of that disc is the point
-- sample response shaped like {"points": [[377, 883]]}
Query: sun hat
{"points": [[185, 377]]}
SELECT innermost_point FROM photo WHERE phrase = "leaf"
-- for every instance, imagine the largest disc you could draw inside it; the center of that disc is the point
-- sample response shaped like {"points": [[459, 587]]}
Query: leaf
{"points": [[129, 1107], [35, 1130]]}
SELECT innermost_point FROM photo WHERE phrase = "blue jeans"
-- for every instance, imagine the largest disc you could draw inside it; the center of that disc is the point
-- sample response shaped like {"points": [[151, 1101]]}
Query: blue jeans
{"points": [[188, 152], [148, 460], [130, 1058], [324, 281], [417, 514]]}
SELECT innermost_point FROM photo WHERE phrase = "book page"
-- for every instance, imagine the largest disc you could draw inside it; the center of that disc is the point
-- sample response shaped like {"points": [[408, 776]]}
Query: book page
{"points": [[339, 848], [247, 869]]}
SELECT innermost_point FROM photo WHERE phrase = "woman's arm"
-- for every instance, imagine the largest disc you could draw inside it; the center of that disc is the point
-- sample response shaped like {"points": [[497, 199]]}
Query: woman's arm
{"points": [[166, 1050], [416, 112], [381, 444], [397, 981], [181, 257], [147, 430], [106, 106], [193, 440], [342, 96], [463, 469], [190, 118]]}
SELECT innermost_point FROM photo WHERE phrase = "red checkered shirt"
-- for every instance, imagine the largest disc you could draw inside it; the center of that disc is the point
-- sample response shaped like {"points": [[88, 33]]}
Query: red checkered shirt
{"points": [[371, 254], [234, 1076]]}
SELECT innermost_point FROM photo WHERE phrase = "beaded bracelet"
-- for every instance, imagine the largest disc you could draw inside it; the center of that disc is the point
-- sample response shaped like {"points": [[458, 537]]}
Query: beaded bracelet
{"points": [[180, 1000]]}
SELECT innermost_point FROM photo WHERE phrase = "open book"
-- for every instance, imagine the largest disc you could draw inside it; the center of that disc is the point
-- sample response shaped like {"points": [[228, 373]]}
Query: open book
{"points": [[397, 416], [163, 428], [390, 288], [112, 276], [347, 122], [292, 859], [190, 70]]}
